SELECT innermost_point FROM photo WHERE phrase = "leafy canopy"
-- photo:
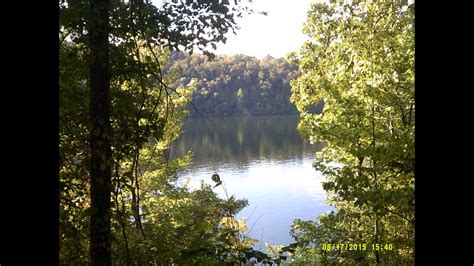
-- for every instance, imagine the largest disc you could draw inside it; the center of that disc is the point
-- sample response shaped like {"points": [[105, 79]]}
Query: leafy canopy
{"points": [[152, 220], [360, 63]]}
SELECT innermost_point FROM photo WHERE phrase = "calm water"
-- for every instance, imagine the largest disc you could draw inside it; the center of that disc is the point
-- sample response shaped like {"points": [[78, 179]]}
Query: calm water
{"points": [[262, 159]]}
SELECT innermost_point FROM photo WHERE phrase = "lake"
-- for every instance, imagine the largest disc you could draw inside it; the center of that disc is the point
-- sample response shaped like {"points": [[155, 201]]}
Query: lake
{"points": [[262, 159]]}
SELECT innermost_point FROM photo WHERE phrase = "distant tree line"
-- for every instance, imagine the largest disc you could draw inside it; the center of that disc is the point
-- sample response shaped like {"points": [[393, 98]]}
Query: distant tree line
{"points": [[236, 84]]}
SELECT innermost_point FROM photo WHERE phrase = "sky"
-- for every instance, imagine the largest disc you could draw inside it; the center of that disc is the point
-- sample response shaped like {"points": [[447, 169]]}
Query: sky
{"points": [[276, 34]]}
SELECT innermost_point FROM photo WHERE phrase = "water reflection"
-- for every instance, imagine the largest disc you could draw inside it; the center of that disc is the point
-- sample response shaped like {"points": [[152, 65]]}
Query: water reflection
{"points": [[240, 140]]}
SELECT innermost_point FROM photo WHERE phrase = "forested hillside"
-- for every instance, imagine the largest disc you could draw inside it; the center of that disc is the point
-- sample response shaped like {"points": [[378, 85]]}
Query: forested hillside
{"points": [[124, 93], [236, 84]]}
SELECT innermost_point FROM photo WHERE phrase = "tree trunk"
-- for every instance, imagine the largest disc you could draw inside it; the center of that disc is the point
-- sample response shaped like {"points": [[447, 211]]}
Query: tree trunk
{"points": [[100, 134]]}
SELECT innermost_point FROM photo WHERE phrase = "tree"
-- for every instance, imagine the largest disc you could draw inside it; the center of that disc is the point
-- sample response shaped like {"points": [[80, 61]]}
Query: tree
{"points": [[360, 62], [100, 133], [120, 42]]}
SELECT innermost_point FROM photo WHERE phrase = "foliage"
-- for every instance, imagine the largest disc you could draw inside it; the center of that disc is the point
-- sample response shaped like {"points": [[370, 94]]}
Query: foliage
{"points": [[237, 84], [151, 219], [360, 62], [184, 227]]}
